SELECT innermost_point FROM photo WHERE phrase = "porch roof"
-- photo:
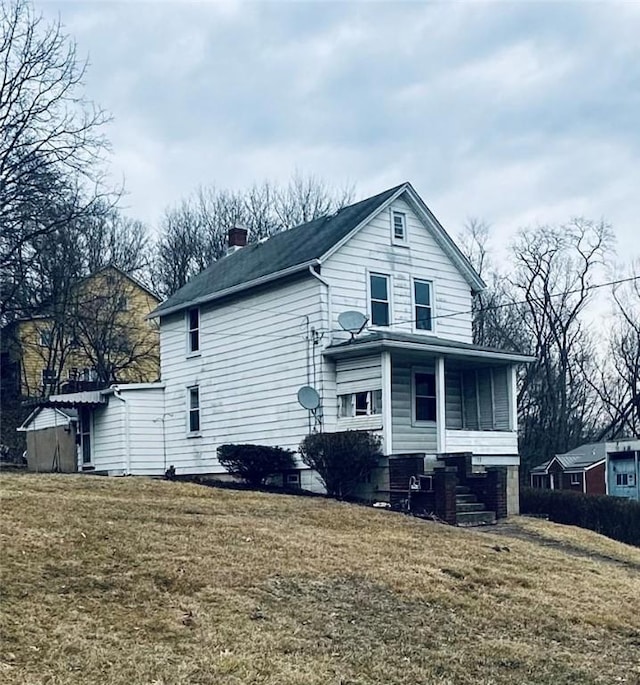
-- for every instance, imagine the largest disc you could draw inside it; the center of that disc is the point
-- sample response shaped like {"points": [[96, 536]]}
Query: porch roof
{"points": [[88, 398], [415, 342]]}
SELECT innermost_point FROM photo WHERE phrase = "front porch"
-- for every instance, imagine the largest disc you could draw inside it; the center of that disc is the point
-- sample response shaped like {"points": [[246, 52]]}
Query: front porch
{"points": [[427, 397], [430, 396]]}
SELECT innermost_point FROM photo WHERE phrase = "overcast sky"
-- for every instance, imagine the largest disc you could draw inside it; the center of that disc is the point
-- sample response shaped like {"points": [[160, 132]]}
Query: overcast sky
{"points": [[517, 113]]}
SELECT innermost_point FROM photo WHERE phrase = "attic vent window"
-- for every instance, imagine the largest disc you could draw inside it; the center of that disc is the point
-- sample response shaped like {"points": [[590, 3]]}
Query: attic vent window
{"points": [[399, 225]]}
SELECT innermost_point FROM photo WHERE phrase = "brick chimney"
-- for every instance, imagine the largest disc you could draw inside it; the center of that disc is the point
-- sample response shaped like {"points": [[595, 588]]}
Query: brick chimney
{"points": [[237, 238]]}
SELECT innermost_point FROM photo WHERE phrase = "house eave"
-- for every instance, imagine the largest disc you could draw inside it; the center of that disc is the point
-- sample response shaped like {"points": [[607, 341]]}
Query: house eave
{"points": [[356, 350], [211, 297]]}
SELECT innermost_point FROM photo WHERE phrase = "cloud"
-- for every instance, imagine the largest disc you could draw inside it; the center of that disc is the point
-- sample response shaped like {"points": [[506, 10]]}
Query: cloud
{"points": [[515, 112]]}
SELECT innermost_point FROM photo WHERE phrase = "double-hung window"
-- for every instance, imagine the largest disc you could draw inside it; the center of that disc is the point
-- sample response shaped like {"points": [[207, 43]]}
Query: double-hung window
{"points": [[399, 227], [379, 292], [365, 403], [422, 298], [193, 330], [424, 389], [193, 408]]}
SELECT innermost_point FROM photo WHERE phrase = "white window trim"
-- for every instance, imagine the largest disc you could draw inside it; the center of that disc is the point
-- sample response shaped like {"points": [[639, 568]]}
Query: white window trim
{"points": [[190, 433], [190, 352], [413, 306], [389, 277], [575, 479], [431, 371], [402, 242]]}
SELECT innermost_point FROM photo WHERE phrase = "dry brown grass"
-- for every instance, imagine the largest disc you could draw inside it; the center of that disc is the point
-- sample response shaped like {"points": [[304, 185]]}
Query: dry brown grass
{"points": [[137, 581]]}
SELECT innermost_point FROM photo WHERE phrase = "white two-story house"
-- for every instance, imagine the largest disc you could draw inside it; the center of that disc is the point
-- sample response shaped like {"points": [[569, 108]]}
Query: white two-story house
{"points": [[240, 339]]}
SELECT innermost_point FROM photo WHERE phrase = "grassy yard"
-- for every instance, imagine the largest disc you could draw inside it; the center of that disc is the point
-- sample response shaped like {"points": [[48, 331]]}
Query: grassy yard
{"points": [[137, 581]]}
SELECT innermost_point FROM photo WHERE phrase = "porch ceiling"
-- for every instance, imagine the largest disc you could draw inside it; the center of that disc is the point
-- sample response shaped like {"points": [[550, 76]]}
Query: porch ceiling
{"points": [[412, 342]]}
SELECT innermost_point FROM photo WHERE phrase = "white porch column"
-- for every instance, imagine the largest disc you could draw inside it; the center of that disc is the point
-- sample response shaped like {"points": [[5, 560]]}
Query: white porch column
{"points": [[387, 415], [441, 427], [513, 398]]}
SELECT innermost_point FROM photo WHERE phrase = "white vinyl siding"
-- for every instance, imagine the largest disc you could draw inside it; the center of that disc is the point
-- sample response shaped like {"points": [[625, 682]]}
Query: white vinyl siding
{"points": [[256, 353], [48, 418], [108, 437], [370, 251]]}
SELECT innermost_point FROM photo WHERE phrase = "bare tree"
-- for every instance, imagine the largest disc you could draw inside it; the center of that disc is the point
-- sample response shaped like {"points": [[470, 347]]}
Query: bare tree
{"points": [[111, 333], [51, 145], [618, 385], [194, 233], [552, 286]]}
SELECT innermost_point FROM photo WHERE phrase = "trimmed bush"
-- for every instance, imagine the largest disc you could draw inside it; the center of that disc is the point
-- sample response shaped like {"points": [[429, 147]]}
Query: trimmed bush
{"points": [[255, 463], [343, 460], [615, 517]]}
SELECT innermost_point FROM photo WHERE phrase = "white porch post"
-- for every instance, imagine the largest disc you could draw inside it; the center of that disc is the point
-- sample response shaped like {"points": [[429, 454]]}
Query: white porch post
{"points": [[440, 406], [513, 398], [387, 421]]}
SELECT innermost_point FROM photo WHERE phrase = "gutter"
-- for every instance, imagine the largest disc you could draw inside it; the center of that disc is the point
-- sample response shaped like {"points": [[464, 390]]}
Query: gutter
{"points": [[117, 392], [235, 289]]}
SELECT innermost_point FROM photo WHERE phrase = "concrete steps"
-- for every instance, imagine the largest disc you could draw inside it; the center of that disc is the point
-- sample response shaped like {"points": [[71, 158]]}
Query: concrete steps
{"points": [[470, 512]]}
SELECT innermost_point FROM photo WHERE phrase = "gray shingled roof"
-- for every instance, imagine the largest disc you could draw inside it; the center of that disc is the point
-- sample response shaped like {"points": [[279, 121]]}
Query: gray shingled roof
{"points": [[285, 250], [577, 459], [426, 341]]}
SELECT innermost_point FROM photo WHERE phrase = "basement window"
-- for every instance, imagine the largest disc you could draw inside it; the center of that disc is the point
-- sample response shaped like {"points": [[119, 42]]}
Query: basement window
{"points": [[367, 403]]}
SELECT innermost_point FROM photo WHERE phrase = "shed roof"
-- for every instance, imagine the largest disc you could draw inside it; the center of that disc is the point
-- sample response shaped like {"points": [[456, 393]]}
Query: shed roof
{"points": [[378, 340], [298, 248]]}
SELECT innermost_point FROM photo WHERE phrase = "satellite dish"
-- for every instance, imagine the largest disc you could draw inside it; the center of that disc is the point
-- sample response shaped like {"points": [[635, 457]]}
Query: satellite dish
{"points": [[353, 322], [308, 397]]}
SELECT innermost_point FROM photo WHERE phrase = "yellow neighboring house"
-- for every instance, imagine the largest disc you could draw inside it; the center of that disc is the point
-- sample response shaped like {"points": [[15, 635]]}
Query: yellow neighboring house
{"points": [[99, 335]]}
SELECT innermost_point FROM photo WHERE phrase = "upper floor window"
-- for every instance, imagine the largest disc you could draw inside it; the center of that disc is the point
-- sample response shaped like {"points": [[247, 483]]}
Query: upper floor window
{"points": [[49, 377], [46, 337], [399, 227], [379, 290], [193, 399], [193, 323], [424, 390], [422, 298]]}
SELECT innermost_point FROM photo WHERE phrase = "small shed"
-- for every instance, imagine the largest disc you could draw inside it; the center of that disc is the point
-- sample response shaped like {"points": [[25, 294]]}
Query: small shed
{"points": [[115, 431], [51, 439]]}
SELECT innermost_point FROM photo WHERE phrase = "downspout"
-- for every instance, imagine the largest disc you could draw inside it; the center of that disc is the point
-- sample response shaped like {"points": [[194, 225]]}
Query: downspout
{"points": [[327, 285], [125, 427]]}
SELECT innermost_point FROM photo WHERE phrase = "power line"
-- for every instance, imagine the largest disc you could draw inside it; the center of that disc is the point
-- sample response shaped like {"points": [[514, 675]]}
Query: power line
{"points": [[502, 305]]}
